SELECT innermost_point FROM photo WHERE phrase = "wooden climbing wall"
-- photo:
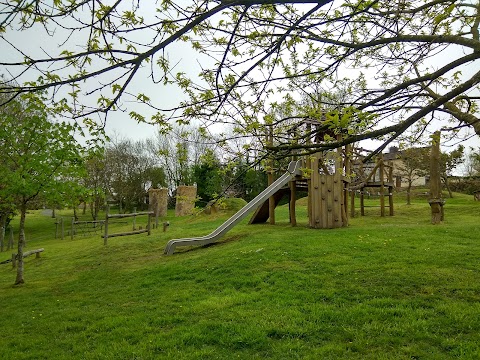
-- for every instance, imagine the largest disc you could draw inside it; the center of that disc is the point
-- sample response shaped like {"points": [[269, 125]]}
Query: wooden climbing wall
{"points": [[326, 196]]}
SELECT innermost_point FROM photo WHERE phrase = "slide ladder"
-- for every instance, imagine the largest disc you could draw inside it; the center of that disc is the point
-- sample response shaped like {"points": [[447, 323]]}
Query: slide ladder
{"points": [[292, 171]]}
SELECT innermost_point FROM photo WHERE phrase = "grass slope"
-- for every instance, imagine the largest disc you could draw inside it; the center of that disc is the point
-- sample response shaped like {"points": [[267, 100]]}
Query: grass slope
{"points": [[383, 288]]}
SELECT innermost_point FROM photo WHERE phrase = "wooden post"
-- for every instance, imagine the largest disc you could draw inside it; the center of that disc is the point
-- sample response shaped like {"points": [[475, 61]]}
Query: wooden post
{"points": [[382, 187], [135, 218], [390, 187], [72, 233], [390, 199], [362, 202], [436, 202], [341, 192], [352, 204], [308, 165], [293, 199], [271, 199], [149, 216], [14, 261], [62, 228], [313, 192], [293, 190], [105, 236], [348, 175]]}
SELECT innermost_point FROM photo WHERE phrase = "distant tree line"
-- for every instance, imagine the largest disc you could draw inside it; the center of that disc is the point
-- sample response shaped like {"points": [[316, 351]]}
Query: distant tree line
{"points": [[124, 170]]}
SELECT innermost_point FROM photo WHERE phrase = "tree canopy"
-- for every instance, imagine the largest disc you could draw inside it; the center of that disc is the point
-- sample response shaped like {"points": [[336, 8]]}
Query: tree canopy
{"points": [[399, 64], [37, 155]]}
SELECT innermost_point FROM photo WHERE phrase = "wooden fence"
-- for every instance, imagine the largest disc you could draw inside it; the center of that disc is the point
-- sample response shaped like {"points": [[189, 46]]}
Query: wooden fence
{"points": [[85, 228], [121, 216]]}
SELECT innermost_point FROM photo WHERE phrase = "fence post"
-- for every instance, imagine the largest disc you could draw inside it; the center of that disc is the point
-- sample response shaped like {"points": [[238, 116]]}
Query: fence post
{"points": [[134, 219], [105, 236], [149, 223], [73, 228]]}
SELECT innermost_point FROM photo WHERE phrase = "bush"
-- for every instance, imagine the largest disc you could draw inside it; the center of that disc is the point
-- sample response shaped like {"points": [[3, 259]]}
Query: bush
{"points": [[466, 185]]}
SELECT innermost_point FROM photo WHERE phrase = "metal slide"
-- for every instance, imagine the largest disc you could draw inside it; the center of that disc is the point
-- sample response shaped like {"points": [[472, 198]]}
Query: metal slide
{"points": [[292, 171]]}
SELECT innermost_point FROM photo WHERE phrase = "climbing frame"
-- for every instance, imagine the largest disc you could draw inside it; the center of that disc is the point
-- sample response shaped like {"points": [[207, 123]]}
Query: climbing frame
{"points": [[326, 205]]}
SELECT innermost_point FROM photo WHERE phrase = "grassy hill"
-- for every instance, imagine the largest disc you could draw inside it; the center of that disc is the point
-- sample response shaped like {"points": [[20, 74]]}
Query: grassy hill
{"points": [[383, 288]]}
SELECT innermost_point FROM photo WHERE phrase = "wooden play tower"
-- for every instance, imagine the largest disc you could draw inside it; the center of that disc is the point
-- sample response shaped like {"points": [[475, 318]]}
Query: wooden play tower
{"points": [[325, 177], [327, 194]]}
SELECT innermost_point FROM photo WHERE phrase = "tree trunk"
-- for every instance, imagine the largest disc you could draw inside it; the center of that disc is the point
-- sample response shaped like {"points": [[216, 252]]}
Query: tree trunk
{"points": [[53, 213], [75, 216], [21, 243], [95, 207], [92, 211], [84, 211], [409, 189], [447, 186], [3, 225]]}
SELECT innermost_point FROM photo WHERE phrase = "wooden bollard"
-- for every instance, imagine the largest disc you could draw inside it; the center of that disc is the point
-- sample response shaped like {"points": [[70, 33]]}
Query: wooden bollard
{"points": [[134, 226], [166, 224]]}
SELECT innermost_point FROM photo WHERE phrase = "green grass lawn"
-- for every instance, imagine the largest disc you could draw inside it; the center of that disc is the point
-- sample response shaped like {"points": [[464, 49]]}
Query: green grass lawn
{"points": [[383, 288]]}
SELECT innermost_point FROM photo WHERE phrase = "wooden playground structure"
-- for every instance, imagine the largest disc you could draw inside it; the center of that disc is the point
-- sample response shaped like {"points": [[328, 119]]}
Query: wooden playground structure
{"points": [[330, 177], [332, 180], [380, 178]]}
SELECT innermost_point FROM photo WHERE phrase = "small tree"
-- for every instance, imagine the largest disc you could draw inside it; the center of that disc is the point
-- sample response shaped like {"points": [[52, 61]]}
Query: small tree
{"points": [[95, 181], [208, 176], [448, 162], [36, 154], [413, 166]]}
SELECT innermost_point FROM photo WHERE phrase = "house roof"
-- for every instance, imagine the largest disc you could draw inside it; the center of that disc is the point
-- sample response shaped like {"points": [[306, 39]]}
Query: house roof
{"points": [[395, 153]]}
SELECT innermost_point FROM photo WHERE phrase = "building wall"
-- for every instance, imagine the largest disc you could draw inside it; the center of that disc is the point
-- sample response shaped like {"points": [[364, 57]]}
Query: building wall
{"points": [[400, 179]]}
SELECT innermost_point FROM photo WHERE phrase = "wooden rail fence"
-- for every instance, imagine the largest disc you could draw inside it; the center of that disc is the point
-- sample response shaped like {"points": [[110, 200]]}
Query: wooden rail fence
{"points": [[82, 227], [14, 258], [121, 216]]}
